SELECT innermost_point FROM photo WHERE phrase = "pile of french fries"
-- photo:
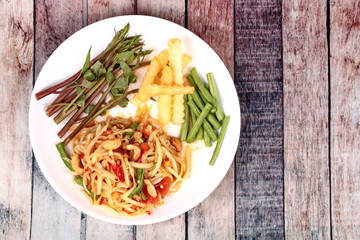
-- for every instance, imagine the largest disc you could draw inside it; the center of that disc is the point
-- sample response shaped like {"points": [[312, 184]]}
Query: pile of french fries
{"points": [[164, 78]]}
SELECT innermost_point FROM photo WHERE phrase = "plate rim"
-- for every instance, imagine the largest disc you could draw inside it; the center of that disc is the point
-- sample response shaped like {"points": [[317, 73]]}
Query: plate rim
{"points": [[83, 209]]}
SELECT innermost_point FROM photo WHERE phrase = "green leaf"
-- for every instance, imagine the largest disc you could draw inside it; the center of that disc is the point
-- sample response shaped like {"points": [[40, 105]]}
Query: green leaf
{"points": [[89, 109], [125, 55], [89, 75], [101, 73], [87, 61], [132, 79], [87, 84], [98, 69], [109, 77], [81, 100], [125, 68], [124, 102], [121, 82], [78, 90], [118, 92]]}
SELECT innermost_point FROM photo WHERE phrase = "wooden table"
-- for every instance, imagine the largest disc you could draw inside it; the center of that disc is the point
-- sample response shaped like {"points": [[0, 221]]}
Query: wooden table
{"points": [[296, 67]]}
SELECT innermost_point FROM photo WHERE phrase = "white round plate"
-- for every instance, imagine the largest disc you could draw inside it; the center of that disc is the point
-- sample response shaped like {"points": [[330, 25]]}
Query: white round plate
{"points": [[68, 58]]}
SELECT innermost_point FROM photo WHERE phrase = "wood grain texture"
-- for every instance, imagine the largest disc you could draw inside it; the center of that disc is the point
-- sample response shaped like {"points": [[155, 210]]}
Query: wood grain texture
{"points": [[173, 229], [213, 21], [259, 161], [345, 118], [16, 50], [96, 229], [173, 10], [49, 209], [98, 10], [101, 9], [307, 190]]}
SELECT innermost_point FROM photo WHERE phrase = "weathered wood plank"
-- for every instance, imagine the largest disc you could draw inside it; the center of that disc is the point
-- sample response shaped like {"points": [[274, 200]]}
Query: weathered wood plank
{"points": [[259, 161], [306, 125], [96, 229], [345, 118], [98, 10], [16, 51], [173, 10], [49, 209], [213, 21], [208, 221], [101, 9]]}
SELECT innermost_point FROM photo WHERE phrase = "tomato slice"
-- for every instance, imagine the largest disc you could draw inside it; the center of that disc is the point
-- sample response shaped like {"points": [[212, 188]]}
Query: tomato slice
{"points": [[118, 171], [162, 189], [163, 186]]}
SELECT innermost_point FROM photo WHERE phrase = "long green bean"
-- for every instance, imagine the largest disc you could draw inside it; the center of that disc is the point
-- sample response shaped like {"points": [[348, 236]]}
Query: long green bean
{"points": [[185, 125], [138, 189], [201, 86], [207, 127], [199, 121], [207, 140], [213, 90], [220, 140]]}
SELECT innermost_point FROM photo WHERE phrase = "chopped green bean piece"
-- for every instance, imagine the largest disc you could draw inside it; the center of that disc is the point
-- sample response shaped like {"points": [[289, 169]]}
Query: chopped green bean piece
{"points": [[64, 156]]}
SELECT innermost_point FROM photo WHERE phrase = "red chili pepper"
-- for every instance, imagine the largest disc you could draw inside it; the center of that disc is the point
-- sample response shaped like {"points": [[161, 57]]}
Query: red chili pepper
{"points": [[107, 132], [101, 200], [118, 171]]}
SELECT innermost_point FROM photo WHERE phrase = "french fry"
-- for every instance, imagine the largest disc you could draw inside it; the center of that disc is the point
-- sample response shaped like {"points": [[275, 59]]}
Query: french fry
{"points": [[175, 62], [175, 59], [186, 59], [156, 89], [143, 95], [163, 57], [165, 101]]}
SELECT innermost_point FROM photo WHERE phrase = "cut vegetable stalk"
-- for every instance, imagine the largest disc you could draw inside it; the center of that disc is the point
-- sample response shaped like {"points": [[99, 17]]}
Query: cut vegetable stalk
{"points": [[74, 117], [89, 116]]}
